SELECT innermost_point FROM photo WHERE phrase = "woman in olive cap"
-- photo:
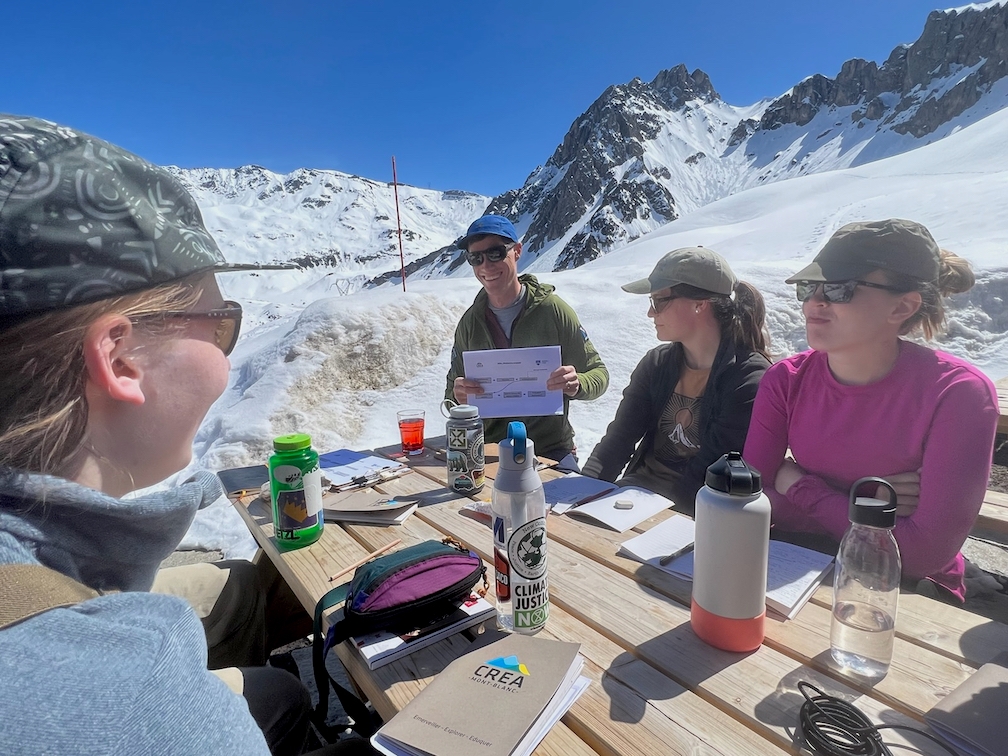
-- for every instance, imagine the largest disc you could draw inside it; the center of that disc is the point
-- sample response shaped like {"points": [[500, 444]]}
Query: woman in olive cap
{"points": [[866, 401], [689, 400]]}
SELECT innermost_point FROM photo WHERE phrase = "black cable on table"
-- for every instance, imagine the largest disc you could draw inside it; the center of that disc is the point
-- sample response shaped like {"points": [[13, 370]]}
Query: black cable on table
{"points": [[833, 727]]}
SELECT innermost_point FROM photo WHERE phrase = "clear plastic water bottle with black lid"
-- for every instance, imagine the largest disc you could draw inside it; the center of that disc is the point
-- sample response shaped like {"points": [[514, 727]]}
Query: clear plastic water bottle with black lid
{"points": [[866, 584]]}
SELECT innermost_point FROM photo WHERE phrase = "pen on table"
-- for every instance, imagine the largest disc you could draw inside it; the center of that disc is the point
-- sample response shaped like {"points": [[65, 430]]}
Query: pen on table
{"points": [[675, 554], [368, 558]]}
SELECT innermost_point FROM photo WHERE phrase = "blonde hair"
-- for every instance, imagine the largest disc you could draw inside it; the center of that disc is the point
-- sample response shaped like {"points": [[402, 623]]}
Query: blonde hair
{"points": [[955, 275], [43, 411]]}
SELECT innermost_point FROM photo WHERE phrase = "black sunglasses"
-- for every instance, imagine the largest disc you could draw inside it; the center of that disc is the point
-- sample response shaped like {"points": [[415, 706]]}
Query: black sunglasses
{"points": [[837, 292], [226, 333], [494, 254], [660, 303]]}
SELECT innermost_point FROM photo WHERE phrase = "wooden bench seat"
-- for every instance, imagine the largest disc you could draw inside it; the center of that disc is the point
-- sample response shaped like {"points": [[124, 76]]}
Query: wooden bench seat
{"points": [[992, 522]]}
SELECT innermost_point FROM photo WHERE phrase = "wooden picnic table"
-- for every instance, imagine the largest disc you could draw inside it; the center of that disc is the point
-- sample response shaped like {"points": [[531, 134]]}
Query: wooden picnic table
{"points": [[656, 688]]}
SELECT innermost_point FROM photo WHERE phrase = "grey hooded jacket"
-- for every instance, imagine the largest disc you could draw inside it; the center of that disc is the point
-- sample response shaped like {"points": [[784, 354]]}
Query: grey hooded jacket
{"points": [[124, 673]]}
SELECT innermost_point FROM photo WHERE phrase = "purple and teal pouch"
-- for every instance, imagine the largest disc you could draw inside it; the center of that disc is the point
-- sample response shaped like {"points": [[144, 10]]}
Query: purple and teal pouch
{"points": [[400, 592]]}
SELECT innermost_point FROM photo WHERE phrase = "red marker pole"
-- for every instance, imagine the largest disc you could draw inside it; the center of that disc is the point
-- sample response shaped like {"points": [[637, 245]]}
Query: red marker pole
{"points": [[395, 188]]}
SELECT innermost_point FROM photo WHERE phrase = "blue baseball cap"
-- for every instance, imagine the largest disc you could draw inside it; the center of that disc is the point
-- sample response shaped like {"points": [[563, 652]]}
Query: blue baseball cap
{"points": [[489, 224]]}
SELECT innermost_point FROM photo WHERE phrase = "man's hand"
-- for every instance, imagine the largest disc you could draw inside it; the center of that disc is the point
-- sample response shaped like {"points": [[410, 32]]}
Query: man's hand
{"points": [[463, 387], [564, 378], [907, 487], [787, 475]]}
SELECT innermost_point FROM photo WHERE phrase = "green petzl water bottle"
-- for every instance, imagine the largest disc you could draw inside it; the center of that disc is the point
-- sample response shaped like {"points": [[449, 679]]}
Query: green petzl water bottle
{"points": [[295, 491]]}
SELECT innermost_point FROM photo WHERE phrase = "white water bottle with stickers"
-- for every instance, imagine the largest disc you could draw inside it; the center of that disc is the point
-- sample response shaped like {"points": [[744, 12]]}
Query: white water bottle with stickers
{"points": [[519, 532]]}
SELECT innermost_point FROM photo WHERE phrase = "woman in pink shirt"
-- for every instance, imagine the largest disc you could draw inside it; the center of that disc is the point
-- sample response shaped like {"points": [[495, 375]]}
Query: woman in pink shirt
{"points": [[865, 401]]}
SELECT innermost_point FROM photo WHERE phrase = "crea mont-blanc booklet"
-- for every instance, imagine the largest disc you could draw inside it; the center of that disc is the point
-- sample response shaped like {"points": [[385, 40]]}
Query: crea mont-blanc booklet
{"points": [[499, 700]]}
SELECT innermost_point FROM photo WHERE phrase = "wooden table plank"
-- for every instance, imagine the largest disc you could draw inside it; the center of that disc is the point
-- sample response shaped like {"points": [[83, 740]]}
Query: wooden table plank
{"points": [[911, 683], [759, 689], [656, 686], [720, 733]]}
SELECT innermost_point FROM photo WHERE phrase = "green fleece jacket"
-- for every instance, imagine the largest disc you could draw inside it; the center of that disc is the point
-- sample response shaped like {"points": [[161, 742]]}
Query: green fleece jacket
{"points": [[545, 320]]}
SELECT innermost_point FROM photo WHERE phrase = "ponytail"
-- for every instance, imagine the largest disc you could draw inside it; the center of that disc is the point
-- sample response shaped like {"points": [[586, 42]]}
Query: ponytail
{"points": [[742, 317], [750, 314], [955, 275]]}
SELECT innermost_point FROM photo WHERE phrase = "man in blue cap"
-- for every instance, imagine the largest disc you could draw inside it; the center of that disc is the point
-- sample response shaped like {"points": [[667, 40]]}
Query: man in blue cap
{"points": [[516, 310]]}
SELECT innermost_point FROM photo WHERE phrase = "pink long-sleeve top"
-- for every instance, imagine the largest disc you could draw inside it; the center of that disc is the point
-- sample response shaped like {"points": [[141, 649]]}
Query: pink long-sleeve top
{"points": [[933, 412]]}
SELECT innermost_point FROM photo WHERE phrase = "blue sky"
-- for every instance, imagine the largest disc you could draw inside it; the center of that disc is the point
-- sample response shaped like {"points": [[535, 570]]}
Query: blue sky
{"points": [[465, 95]]}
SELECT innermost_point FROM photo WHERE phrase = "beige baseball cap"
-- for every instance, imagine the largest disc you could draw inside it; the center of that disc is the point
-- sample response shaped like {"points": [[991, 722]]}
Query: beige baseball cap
{"points": [[697, 266]]}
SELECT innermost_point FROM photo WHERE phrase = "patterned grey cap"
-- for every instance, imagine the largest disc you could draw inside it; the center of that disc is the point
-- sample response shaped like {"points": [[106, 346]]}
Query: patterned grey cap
{"points": [[83, 220]]}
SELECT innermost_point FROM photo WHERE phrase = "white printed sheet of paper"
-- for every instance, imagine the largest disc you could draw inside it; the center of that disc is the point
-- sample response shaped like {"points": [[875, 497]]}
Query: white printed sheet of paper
{"points": [[514, 381]]}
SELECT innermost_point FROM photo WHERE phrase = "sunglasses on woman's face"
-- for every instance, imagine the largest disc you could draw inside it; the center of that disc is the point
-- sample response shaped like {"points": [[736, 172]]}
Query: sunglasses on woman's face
{"points": [[226, 332], [494, 254], [836, 292], [660, 303]]}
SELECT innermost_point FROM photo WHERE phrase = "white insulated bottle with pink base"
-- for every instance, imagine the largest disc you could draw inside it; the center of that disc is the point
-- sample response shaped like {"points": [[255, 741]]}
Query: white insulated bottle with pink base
{"points": [[730, 556]]}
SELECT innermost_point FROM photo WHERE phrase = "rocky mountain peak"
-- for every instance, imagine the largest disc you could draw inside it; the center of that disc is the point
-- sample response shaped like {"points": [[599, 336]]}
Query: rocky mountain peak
{"points": [[675, 87], [972, 43]]}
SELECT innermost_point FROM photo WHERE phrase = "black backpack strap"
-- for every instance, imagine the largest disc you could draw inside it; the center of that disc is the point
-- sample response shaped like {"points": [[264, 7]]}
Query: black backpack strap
{"points": [[30, 589], [363, 723]]}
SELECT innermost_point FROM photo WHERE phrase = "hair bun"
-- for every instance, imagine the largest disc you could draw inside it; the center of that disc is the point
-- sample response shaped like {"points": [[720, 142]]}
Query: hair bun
{"points": [[955, 274]]}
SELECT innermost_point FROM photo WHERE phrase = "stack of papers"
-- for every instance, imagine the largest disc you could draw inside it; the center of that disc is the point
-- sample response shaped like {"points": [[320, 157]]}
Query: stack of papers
{"points": [[793, 574], [382, 647], [345, 467], [572, 490], [623, 508], [368, 507], [499, 700]]}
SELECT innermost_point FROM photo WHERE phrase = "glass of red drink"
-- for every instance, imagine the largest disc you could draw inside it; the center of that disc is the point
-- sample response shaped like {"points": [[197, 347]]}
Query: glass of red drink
{"points": [[411, 424]]}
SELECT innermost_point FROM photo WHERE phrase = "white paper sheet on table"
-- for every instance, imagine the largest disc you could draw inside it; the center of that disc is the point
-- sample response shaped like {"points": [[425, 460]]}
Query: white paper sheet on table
{"points": [[573, 489], [514, 381], [672, 537], [645, 504]]}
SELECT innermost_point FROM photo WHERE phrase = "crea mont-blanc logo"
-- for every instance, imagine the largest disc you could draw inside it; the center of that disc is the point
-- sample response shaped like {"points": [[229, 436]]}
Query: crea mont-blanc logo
{"points": [[503, 672]]}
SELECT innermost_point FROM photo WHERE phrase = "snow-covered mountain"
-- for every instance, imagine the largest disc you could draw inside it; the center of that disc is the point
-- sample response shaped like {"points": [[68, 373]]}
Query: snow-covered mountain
{"points": [[642, 155], [325, 220], [645, 153]]}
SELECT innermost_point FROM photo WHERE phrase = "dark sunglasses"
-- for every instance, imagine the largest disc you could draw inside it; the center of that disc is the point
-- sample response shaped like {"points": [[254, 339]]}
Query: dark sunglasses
{"points": [[226, 333], [494, 254], [837, 292], [660, 303]]}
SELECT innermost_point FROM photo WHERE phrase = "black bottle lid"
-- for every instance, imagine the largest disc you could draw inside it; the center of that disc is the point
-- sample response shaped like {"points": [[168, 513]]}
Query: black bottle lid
{"points": [[731, 475], [872, 511]]}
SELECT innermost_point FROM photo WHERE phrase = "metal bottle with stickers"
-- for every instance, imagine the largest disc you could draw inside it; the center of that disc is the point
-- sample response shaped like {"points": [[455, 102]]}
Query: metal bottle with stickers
{"points": [[519, 533], [295, 491], [465, 461]]}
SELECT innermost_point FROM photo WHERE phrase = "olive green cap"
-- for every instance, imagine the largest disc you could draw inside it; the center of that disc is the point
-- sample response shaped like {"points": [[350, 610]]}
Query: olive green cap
{"points": [[855, 250], [696, 266]]}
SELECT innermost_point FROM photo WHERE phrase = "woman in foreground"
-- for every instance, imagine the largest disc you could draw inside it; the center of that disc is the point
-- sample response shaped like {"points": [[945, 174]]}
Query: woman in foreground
{"points": [[865, 401], [688, 401], [115, 340]]}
